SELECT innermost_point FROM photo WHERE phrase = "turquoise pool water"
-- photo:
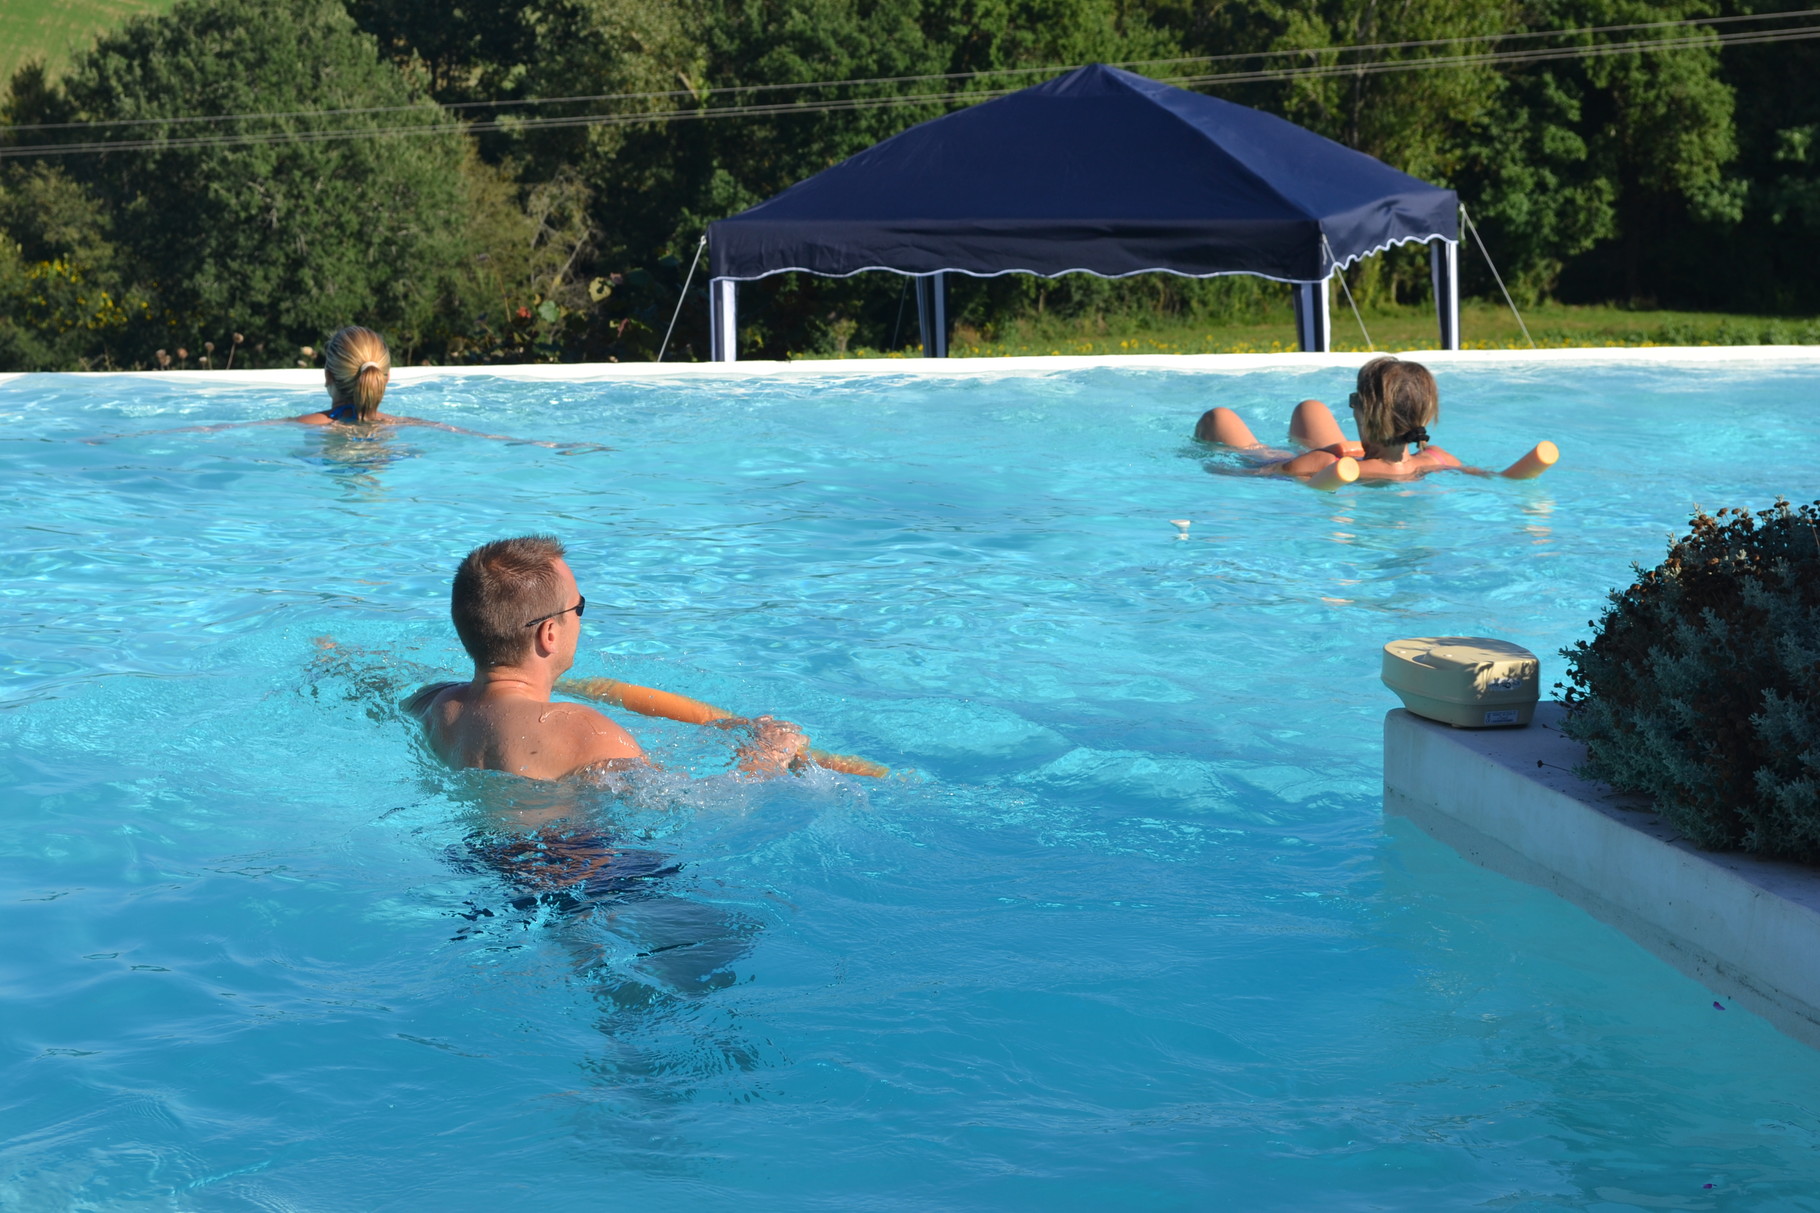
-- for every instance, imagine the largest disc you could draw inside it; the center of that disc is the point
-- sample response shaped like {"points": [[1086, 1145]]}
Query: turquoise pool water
{"points": [[1129, 930]]}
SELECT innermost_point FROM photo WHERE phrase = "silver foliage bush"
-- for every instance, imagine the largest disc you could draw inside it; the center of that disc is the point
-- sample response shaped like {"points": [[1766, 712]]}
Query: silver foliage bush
{"points": [[1701, 686]]}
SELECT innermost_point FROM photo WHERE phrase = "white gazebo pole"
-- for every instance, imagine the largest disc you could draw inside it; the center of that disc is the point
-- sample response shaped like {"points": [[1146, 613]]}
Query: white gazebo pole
{"points": [[939, 288], [723, 320], [1324, 313], [1313, 324], [932, 313], [1444, 269]]}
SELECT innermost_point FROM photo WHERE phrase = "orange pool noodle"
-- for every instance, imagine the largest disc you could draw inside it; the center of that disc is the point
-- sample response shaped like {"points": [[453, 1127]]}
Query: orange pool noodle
{"points": [[1539, 460], [646, 701], [1342, 471]]}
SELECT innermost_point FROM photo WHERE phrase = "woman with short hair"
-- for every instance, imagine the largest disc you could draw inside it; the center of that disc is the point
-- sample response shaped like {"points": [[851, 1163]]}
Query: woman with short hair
{"points": [[1394, 405]]}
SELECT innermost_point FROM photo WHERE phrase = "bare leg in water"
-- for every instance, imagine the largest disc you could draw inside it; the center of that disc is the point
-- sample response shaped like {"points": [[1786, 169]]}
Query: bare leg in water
{"points": [[1224, 426], [1324, 467], [1312, 426]]}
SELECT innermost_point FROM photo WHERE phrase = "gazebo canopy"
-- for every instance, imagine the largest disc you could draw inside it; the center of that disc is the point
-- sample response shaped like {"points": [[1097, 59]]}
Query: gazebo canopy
{"points": [[1099, 171]]}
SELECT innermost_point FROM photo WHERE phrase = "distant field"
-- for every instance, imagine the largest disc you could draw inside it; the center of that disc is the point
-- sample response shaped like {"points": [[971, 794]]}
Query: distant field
{"points": [[1482, 326], [52, 29]]}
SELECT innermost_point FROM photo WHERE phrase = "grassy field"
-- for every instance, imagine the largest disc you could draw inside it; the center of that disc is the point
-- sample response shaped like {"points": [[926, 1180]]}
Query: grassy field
{"points": [[1482, 326], [52, 29]]}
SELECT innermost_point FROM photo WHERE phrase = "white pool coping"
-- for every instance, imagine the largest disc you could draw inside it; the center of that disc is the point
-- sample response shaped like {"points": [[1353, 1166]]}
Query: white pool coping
{"points": [[306, 378], [1508, 800]]}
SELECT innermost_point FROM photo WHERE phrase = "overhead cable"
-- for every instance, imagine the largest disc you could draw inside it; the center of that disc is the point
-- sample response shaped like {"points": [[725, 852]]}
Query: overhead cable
{"points": [[436, 123], [1279, 52]]}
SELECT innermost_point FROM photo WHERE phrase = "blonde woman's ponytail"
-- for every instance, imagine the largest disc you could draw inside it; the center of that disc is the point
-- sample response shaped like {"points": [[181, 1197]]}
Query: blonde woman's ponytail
{"points": [[359, 365]]}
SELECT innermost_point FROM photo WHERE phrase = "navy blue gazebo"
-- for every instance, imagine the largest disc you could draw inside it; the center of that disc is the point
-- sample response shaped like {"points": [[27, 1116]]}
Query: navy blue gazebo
{"points": [[1100, 171]]}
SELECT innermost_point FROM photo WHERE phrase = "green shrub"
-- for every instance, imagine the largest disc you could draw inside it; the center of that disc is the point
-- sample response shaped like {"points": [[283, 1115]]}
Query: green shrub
{"points": [[1701, 687]]}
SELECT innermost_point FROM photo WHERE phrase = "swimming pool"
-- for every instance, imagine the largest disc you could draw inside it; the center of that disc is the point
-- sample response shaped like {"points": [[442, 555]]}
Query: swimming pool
{"points": [[1128, 931]]}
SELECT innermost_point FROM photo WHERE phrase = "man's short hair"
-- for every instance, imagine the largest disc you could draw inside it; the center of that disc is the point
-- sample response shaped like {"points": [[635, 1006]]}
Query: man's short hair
{"points": [[499, 588]]}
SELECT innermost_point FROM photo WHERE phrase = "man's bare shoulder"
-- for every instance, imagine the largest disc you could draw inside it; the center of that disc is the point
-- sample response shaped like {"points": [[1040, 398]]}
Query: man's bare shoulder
{"points": [[593, 738], [419, 702]]}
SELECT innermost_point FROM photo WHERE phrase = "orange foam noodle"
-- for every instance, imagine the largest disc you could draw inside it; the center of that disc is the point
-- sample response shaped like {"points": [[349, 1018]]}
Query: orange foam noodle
{"points": [[1544, 456], [1340, 472], [646, 701]]}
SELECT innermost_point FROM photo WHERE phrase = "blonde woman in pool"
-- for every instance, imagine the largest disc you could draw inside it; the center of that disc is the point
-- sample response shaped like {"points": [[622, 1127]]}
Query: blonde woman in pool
{"points": [[356, 368], [1394, 405]]}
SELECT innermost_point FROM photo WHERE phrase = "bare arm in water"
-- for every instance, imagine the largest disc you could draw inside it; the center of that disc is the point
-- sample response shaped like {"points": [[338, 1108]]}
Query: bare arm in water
{"points": [[320, 418], [649, 701], [569, 448]]}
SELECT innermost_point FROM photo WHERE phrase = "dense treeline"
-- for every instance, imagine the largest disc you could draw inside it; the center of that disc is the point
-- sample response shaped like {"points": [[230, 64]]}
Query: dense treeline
{"points": [[438, 203]]}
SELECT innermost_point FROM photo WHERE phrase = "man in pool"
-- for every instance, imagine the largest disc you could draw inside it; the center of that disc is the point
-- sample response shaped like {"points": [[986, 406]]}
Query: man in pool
{"points": [[518, 612]]}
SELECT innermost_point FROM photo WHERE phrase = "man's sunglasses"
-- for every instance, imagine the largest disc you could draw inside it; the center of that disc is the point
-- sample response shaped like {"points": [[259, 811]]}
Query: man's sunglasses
{"points": [[578, 608]]}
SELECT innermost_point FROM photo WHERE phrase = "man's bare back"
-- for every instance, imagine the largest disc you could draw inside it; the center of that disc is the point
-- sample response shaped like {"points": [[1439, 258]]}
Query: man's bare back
{"points": [[539, 739]]}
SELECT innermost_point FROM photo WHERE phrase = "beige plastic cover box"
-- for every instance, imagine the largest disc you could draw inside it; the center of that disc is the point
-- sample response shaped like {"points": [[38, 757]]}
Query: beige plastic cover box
{"points": [[1470, 682]]}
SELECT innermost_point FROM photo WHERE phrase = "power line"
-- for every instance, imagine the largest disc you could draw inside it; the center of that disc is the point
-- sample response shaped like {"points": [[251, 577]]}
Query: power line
{"points": [[1538, 55], [1705, 38], [1281, 52]]}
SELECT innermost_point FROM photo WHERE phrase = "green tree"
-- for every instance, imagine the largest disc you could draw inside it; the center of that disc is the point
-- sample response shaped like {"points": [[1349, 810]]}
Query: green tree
{"points": [[284, 222], [65, 298], [597, 181], [1663, 134], [1527, 181], [1598, 158], [459, 53], [1771, 256], [1386, 102], [1557, 158]]}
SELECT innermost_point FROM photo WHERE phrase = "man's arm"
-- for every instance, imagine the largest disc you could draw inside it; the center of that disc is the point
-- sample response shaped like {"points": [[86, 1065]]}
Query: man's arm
{"points": [[192, 429], [649, 701], [567, 448]]}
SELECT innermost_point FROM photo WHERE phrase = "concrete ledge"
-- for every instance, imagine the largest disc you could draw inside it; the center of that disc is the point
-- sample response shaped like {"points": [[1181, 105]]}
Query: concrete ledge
{"points": [[310, 379], [1508, 800]]}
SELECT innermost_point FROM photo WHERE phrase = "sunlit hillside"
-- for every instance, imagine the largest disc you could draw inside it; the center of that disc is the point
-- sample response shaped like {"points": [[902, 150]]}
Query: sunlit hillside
{"points": [[52, 29]]}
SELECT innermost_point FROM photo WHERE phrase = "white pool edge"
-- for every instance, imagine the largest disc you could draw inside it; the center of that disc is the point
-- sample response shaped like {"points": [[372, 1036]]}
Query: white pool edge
{"points": [[1746, 928], [962, 368]]}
